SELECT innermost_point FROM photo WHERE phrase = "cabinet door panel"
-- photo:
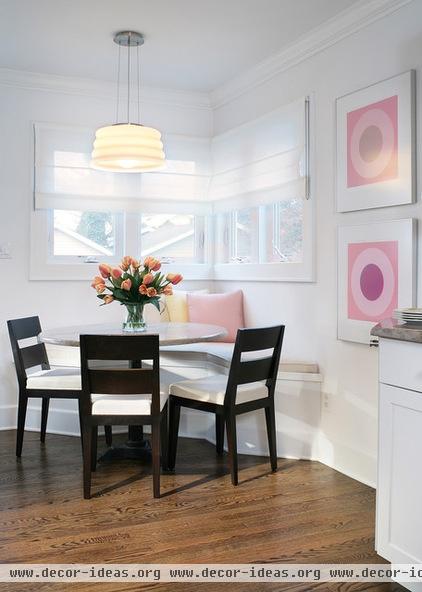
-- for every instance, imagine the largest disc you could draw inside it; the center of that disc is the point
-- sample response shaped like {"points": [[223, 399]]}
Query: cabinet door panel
{"points": [[399, 491], [401, 364]]}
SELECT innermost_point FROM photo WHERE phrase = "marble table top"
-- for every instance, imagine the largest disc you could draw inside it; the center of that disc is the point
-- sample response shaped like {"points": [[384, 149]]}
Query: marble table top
{"points": [[169, 333], [394, 329]]}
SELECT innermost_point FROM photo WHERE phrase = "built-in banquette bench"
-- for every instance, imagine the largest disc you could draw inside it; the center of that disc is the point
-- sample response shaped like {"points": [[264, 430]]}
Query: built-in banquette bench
{"points": [[298, 399]]}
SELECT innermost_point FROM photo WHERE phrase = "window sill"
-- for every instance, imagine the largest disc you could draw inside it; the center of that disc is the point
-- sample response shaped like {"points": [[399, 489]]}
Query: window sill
{"points": [[264, 272], [86, 271]]}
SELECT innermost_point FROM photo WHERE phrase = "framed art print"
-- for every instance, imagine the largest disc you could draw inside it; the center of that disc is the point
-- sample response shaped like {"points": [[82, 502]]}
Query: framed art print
{"points": [[376, 275], [376, 145]]}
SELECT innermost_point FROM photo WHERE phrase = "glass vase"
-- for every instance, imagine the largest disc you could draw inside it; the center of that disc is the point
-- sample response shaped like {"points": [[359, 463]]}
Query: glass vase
{"points": [[134, 322]]}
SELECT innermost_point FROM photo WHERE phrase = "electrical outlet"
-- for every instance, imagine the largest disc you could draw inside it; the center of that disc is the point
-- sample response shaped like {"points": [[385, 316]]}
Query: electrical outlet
{"points": [[326, 401]]}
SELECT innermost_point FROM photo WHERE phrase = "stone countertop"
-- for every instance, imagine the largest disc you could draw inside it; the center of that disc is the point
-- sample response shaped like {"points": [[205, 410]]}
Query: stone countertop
{"points": [[393, 329]]}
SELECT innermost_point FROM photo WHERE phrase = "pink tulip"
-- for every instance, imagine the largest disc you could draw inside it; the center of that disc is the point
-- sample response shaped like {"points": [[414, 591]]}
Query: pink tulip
{"points": [[143, 289], [116, 273], [151, 292], [108, 299], [168, 291], [126, 262], [174, 278], [104, 270], [148, 278], [126, 284]]}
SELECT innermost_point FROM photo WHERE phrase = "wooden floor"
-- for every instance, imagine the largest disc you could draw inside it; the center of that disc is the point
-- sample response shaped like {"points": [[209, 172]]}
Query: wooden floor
{"points": [[305, 513]]}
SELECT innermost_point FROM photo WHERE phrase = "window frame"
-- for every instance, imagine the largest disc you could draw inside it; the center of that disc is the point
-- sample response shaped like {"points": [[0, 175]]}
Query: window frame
{"points": [[119, 244], [200, 238], [284, 271]]}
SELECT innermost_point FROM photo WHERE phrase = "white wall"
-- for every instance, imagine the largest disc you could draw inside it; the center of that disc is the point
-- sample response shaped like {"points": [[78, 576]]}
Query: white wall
{"points": [[57, 303], [383, 49]]}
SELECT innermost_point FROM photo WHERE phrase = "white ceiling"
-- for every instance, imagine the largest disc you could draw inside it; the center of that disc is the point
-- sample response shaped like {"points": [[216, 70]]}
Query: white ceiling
{"points": [[192, 45]]}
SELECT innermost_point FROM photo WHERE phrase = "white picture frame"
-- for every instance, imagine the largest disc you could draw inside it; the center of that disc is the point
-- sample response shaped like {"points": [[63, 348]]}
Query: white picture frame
{"points": [[375, 145], [376, 274]]}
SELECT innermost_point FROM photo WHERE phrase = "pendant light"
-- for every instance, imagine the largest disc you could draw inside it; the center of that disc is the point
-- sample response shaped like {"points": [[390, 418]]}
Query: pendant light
{"points": [[128, 147]]}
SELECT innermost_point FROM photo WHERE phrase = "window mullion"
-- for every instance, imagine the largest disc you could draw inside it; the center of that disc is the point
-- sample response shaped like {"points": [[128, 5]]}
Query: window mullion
{"points": [[132, 227]]}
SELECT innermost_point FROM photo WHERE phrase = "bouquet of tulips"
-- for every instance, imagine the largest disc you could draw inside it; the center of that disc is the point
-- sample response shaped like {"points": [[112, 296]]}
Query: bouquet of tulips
{"points": [[133, 282]]}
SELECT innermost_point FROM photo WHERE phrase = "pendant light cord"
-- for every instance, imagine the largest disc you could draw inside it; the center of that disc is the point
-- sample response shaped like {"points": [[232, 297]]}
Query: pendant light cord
{"points": [[128, 81], [118, 86], [139, 84]]}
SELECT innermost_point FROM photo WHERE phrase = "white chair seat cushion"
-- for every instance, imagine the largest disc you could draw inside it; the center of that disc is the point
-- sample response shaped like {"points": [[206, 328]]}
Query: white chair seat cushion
{"points": [[212, 389], [67, 379], [124, 404]]}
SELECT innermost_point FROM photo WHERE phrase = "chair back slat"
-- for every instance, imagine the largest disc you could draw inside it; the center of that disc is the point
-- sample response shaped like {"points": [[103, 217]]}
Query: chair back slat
{"points": [[261, 369], [24, 328], [112, 380], [120, 347], [255, 370], [34, 355], [122, 381], [29, 356], [258, 339]]}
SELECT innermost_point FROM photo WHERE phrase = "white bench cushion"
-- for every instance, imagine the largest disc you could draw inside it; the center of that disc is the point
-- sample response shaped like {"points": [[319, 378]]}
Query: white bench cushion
{"points": [[68, 379], [124, 404], [212, 389]]}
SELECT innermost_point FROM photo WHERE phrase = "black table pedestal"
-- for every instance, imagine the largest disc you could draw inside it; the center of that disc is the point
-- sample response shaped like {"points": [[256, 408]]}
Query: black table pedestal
{"points": [[136, 448]]}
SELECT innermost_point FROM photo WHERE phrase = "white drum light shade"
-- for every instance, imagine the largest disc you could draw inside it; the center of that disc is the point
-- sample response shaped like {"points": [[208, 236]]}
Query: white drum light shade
{"points": [[127, 147]]}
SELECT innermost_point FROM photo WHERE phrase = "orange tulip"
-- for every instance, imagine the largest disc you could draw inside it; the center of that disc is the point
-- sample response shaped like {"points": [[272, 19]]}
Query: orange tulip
{"points": [[168, 291], [143, 289], [148, 279], [108, 299], [104, 270], [100, 288], [126, 284], [126, 262], [152, 263], [135, 264], [97, 280], [174, 278], [151, 292]]}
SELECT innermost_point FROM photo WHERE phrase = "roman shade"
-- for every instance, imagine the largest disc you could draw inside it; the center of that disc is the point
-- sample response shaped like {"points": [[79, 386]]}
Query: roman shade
{"points": [[262, 161]]}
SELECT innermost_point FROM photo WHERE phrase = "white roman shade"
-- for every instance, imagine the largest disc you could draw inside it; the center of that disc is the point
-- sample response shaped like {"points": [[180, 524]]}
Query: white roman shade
{"points": [[262, 161], [64, 179]]}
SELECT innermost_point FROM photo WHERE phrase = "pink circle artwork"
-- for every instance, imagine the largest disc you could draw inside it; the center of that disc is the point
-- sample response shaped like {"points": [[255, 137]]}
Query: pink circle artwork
{"points": [[372, 143], [372, 280]]}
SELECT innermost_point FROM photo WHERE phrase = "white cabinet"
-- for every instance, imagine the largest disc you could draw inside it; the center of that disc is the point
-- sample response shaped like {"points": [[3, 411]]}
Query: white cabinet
{"points": [[399, 490]]}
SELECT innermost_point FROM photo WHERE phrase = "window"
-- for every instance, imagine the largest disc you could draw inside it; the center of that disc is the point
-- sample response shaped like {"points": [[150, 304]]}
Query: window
{"points": [[272, 242], [284, 231], [76, 236], [244, 239], [173, 237]]}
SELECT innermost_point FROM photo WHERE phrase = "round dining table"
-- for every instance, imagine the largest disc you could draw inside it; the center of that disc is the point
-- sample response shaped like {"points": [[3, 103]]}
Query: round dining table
{"points": [[168, 333]]}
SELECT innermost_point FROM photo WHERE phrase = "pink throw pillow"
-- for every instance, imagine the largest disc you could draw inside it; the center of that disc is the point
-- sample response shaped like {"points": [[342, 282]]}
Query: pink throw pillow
{"points": [[225, 310]]}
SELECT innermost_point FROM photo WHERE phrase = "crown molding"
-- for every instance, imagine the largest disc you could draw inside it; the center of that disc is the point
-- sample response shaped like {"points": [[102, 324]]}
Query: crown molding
{"points": [[99, 89], [329, 33]]}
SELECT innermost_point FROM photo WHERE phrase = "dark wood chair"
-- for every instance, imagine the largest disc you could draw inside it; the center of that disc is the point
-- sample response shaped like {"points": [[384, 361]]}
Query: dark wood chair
{"points": [[244, 390], [122, 396], [47, 383]]}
